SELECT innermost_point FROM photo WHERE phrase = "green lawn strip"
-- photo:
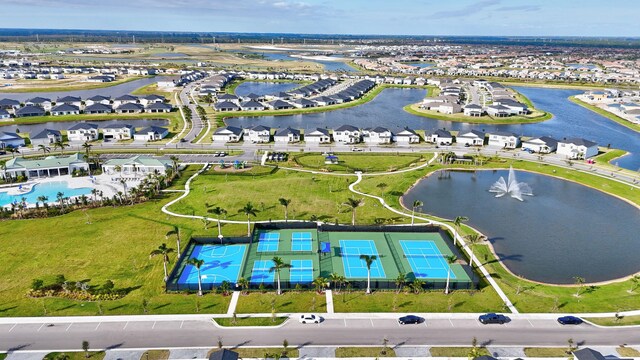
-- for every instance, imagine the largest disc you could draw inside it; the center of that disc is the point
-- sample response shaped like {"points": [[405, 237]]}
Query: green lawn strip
{"points": [[260, 353], [535, 117], [80, 355], [251, 321], [152, 89], [452, 351], [608, 115], [348, 162], [155, 355], [628, 352], [95, 252], [369, 352], [621, 321], [3, 356], [84, 86], [526, 295], [546, 352], [606, 157], [290, 301]]}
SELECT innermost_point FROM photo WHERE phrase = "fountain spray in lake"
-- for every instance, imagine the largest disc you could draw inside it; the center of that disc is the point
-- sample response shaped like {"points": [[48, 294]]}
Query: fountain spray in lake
{"points": [[511, 186]]}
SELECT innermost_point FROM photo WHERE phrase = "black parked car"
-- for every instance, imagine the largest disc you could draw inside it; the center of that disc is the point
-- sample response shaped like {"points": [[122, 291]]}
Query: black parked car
{"points": [[570, 320], [492, 318], [410, 319]]}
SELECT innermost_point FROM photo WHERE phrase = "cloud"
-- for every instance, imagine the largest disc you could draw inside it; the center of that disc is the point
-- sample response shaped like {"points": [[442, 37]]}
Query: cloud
{"points": [[467, 10], [523, 8]]}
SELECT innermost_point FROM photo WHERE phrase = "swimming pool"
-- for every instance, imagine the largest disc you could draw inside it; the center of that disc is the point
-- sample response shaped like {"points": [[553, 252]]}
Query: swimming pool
{"points": [[48, 189]]}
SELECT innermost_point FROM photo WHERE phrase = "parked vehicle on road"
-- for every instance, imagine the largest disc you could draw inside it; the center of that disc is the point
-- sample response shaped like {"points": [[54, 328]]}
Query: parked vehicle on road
{"points": [[493, 318], [410, 319]]}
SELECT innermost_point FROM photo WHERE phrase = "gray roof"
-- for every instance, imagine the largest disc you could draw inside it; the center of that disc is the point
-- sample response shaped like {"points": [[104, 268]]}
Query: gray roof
{"points": [[261, 128], [98, 107], [503, 133], [224, 354], [320, 130], [131, 106], [588, 354], [280, 103], [347, 128], [547, 140], [9, 102], [473, 106], [30, 109], [252, 104], [80, 126], [38, 100], [161, 106], [579, 142], [477, 133], [234, 130], [118, 126], [4, 112], [45, 133], [69, 99], [442, 133], [65, 108], [227, 97], [4, 136], [286, 131], [127, 97], [226, 105], [153, 129], [99, 98]]}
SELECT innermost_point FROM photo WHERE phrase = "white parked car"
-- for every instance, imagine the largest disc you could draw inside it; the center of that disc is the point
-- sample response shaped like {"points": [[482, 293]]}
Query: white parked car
{"points": [[309, 318]]}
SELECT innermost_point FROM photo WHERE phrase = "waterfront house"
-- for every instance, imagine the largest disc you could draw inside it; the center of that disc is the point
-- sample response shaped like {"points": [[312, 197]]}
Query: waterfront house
{"points": [[229, 98], [226, 106], [98, 108], [130, 108], [152, 99], [228, 134], [118, 132], [303, 103], [576, 148], [542, 145], [65, 109], [504, 139], [440, 137], [158, 107], [324, 101], [474, 110], [287, 135], [98, 99], [151, 133], [47, 167], [125, 99], [347, 134], [317, 136], [30, 110], [41, 102], [83, 132], [46, 137], [252, 105], [4, 114], [406, 136], [498, 110], [70, 100], [9, 104], [279, 105], [377, 136], [470, 138], [259, 134], [10, 140]]}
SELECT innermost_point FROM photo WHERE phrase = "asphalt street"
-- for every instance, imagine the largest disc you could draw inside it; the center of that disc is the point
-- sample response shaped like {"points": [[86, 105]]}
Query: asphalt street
{"points": [[333, 331]]}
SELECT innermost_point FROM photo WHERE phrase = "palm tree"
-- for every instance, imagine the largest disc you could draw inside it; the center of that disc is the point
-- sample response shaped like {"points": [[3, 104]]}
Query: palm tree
{"points": [[174, 164], [579, 281], [45, 149], [285, 203], [635, 281], [218, 212], [473, 239], [416, 204], [417, 285], [164, 251], [87, 148], [13, 152], [334, 278], [456, 223], [450, 260], [248, 210], [198, 264], [368, 259], [278, 264], [382, 186], [43, 199], [243, 283], [320, 283], [175, 231], [60, 145], [400, 281], [60, 197], [353, 203]]}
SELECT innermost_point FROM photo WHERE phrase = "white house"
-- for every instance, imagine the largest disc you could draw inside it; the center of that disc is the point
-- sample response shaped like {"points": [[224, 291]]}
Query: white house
{"points": [[470, 138], [347, 134], [473, 110], [287, 135], [406, 136], [65, 109], [317, 136], [46, 137], [50, 166], [259, 134], [542, 145], [70, 100], [98, 108], [10, 140], [139, 164], [228, 134], [125, 99], [497, 110], [130, 108], [98, 99], [4, 114], [504, 139], [151, 133], [41, 102], [576, 148], [252, 105], [377, 136], [158, 107], [118, 132], [440, 137], [83, 132]]}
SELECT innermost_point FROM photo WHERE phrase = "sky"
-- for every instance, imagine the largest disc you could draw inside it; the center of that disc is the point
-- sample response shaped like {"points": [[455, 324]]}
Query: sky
{"points": [[379, 17]]}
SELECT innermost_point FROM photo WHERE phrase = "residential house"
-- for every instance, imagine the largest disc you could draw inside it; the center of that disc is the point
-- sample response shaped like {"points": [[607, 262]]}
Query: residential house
{"points": [[70, 100], [576, 148], [130, 108], [9, 104], [4, 114], [542, 145], [252, 105], [46, 137], [470, 138], [118, 132], [226, 106], [279, 105], [259, 134], [441, 137], [137, 165], [324, 101], [229, 98], [377, 136], [98, 108], [287, 135], [504, 139], [30, 110], [50, 166], [151, 133], [158, 107], [125, 99], [317, 136], [98, 99], [228, 134], [10, 140], [406, 136], [83, 132], [498, 110], [347, 134], [474, 110], [152, 99], [65, 109], [303, 103], [41, 102]]}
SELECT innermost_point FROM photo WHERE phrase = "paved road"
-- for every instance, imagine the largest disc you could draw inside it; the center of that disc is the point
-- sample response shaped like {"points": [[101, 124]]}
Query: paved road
{"points": [[333, 331], [197, 125]]}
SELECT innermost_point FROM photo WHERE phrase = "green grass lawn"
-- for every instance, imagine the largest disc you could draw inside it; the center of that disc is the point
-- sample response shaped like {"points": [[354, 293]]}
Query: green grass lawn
{"points": [[369, 352], [612, 321], [290, 301], [349, 162], [628, 352], [259, 353], [444, 351], [152, 89], [485, 300], [606, 114], [545, 352], [69, 87], [606, 157], [80, 355], [251, 321]]}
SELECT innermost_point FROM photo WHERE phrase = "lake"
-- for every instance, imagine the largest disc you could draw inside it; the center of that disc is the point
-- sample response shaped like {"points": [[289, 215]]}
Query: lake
{"points": [[564, 230]]}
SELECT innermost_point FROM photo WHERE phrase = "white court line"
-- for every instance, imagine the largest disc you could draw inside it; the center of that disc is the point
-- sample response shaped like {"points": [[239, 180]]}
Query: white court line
{"points": [[14, 325], [371, 322], [125, 325], [68, 327], [450, 322], [97, 326], [181, 324], [345, 322], [154, 325], [40, 327]]}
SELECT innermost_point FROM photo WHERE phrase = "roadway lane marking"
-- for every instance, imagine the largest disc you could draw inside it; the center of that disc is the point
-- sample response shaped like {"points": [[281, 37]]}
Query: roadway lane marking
{"points": [[97, 326], [182, 323], [14, 325], [371, 320], [530, 323], [125, 325], [345, 322], [450, 322], [154, 325], [40, 327], [425, 323], [67, 329]]}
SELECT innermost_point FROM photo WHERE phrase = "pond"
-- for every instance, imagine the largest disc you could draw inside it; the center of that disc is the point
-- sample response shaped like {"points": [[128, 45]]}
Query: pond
{"points": [[564, 230], [570, 120], [34, 129], [264, 88], [113, 91], [284, 56]]}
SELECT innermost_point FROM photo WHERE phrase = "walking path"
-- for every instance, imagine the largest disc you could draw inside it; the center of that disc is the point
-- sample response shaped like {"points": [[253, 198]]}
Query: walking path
{"points": [[234, 302], [329, 297]]}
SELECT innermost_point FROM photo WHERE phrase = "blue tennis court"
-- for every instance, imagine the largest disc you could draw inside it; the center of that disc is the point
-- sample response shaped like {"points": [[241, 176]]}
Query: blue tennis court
{"points": [[301, 271], [260, 272], [301, 241], [221, 262], [268, 242], [354, 267], [427, 262]]}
